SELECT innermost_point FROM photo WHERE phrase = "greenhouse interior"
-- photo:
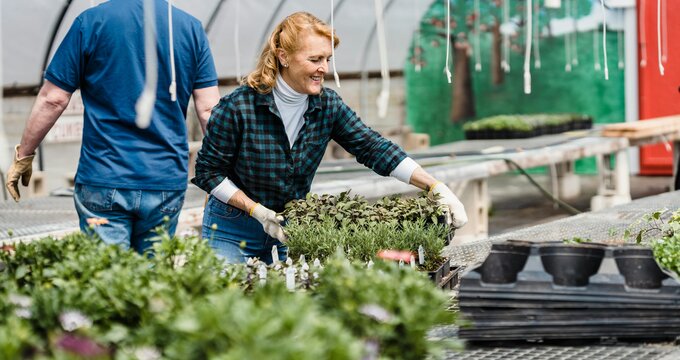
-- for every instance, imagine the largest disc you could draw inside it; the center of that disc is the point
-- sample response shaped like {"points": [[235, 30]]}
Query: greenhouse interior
{"points": [[398, 179]]}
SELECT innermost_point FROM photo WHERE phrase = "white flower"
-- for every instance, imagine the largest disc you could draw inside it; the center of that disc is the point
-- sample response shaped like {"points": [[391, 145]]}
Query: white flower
{"points": [[179, 261], [23, 313], [20, 300], [73, 320], [147, 353], [376, 312]]}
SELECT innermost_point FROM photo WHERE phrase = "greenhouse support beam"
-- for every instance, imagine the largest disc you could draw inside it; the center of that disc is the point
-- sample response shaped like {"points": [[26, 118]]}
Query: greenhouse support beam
{"points": [[267, 29], [631, 93]]}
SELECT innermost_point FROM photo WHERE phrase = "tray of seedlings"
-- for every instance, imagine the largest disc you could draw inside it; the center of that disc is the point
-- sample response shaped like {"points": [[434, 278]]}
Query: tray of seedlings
{"points": [[525, 126], [412, 231]]}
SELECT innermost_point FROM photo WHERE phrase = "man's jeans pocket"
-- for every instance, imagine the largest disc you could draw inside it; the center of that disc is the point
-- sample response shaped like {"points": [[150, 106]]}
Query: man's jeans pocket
{"points": [[95, 198], [172, 201]]}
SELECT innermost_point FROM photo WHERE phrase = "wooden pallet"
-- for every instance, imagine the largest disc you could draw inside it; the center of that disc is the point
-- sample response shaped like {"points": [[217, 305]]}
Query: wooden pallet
{"points": [[668, 125]]}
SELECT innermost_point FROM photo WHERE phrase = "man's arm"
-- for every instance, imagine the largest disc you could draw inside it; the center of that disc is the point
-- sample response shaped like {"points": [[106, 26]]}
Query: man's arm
{"points": [[50, 103], [204, 101]]}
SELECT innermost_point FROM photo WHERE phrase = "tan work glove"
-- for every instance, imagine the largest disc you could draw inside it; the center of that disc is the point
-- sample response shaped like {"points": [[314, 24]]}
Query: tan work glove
{"points": [[448, 198], [271, 223], [20, 168]]}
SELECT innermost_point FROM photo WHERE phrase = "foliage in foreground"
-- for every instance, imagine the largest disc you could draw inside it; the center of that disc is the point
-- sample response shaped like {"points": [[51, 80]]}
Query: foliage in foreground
{"points": [[77, 298]]}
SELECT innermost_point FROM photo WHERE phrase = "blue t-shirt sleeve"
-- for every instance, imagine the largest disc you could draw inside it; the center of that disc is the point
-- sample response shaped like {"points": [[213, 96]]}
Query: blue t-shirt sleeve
{"points": [[206, 75], [65, 69]]}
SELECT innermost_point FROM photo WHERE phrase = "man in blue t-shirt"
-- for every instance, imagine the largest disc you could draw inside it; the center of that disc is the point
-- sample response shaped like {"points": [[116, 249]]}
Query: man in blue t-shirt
{"points": [[132, 177]]}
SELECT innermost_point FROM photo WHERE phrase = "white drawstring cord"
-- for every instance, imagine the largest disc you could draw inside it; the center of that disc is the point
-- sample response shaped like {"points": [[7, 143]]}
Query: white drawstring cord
{"points": [[448, 40], [384, 97], [478, 37], [596, 48], [237, 44], [658, 35], [146, 101], [173, 81], [505, 63], [664, 31], [604, 40], [527, 51], [537, 33], [643, 33], [335, 70]]}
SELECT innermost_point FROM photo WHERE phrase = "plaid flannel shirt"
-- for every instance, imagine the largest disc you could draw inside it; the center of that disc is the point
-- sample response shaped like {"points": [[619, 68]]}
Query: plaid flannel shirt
{"points": [[246, 142]]}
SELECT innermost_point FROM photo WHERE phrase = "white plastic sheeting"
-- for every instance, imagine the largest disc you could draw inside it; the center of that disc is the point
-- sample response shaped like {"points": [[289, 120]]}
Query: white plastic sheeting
{"points": [[30, 24]]}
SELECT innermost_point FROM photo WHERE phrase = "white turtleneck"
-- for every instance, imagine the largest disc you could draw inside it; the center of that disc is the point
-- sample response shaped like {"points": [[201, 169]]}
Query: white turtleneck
{"points": [[292, 106]]}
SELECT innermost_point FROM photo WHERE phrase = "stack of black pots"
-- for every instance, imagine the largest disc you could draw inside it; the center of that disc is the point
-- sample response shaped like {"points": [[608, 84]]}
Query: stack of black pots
{"points": [[558, 291]]}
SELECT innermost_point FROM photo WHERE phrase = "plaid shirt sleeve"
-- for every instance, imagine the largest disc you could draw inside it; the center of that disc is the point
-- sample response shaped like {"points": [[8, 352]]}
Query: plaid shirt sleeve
{"points": [[370, 149], [218, 151]]}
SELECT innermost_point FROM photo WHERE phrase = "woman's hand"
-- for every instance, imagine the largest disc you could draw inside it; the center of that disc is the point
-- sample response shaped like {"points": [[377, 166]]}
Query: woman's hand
{"points": [[271, 223], [448, 198]]}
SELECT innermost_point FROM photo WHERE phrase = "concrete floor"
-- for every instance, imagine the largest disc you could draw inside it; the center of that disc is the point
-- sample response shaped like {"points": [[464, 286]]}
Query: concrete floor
{"points": [[515, 203]]}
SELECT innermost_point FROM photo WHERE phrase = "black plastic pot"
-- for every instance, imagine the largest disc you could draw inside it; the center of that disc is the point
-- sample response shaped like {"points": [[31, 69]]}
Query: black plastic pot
{"points": [[504, 262], [571, 264], [638, 267], [441, 272]]}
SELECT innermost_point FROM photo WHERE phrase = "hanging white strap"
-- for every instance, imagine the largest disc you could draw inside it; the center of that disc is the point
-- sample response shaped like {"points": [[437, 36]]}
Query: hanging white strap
{"points": [[146, 101], [448, 40], [527, 50], [574, 34], [237, 44], [173, 81], [604, 39], [664, 31], [537, 34], [567, 41], [619, 43], [384, 97], [596, 48], [643, 33], [658, 35], [478, 38], [335, 70], [505, 63], [416, 40]]}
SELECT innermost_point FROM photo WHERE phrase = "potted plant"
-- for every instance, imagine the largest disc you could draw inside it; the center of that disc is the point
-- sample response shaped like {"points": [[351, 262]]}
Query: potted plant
{"points": [[504, 262], [638, 267], [571, 262], [657, 247]]}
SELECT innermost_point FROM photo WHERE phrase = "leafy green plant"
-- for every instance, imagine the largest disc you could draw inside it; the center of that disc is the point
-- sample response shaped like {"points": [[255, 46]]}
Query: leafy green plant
{"points": [[660, 230], [576, 240], [375, 305], [346, 209]]}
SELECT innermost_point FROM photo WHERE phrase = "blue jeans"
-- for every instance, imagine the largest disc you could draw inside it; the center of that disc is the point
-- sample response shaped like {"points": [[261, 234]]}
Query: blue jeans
{"points": [[238, 236], [132, 214]]}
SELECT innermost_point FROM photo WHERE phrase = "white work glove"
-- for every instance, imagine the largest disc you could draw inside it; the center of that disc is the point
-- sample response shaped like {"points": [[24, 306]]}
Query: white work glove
{"points": [[448, 198], [271, 223]]}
